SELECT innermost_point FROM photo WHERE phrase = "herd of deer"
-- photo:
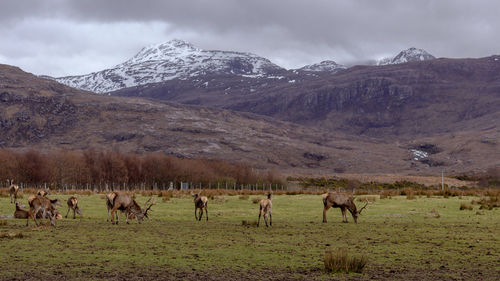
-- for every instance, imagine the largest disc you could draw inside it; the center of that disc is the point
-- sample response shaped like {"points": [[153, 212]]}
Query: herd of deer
{"points": [[43, 207]]}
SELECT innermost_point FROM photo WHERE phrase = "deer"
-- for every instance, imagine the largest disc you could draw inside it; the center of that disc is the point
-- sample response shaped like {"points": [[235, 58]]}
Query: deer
{"points": [[13, 190], [266, 205], [109, 204], [20, 213], [73, 205], [200, 202], [124, 202], [45, 206], [344, 202]]}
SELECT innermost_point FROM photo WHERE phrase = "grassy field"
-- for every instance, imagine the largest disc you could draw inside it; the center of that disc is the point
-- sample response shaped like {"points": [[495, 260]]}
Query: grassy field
{"points": [[420, 239]]}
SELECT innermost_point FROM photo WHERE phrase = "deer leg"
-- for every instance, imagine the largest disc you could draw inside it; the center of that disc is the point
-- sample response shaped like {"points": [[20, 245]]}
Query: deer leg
{"points": [[66, 216], [344, 215], [74, 212], [206, 212], [195, 214], [260, 213], [270, 218], [113, 211], [126, 216], [265, 219], [324, 211], [201, 214]]}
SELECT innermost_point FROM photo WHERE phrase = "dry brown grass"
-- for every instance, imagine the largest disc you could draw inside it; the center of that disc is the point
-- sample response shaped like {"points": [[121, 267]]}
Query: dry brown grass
{"points": [[466, 206], [366, 198], [244, 197], [256, 200], [11, 235], [340, 261]]}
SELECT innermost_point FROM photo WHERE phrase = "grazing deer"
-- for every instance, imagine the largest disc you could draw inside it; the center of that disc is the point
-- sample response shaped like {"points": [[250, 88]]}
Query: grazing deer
{"points": [[13, 190], [200, 202], [124, 202], [342, 201], [20, 213], [109, 204], [45, 206], [266, 205], [73, 205]]}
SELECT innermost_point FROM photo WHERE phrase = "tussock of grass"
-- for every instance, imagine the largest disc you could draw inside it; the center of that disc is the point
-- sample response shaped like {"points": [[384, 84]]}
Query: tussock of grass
{"points": [[488, 203], [340, 261], [249, 223], [466, 206], [3, 222], [243, 197], [10, 235], [365, 198], [256, 200]]}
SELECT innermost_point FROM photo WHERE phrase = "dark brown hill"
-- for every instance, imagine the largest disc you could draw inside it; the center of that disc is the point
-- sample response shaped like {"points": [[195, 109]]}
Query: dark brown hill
{"points": [[42, 114], [404, 101]]}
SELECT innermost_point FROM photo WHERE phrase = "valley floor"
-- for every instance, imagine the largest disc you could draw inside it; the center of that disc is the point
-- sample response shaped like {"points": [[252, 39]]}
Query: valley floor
{"points": [[419, 239]]}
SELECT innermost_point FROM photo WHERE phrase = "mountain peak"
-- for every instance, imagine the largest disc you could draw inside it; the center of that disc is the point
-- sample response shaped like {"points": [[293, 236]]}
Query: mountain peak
{"points": [[408, 55], [327, 65], [162, 51]]}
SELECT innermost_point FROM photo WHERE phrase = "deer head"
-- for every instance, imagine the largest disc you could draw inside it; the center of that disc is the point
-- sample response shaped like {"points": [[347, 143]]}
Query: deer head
{"points": [[357, 213], [139, 213]]}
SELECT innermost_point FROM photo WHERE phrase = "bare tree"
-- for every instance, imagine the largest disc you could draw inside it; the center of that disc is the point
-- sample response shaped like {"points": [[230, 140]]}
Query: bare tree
{"points": [[266, 205], [344, 202], [124, 202], [200, 202], [73, 205]]}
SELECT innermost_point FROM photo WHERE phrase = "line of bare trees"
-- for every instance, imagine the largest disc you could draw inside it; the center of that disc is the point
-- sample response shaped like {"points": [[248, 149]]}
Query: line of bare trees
{"points": [[113, 170]]}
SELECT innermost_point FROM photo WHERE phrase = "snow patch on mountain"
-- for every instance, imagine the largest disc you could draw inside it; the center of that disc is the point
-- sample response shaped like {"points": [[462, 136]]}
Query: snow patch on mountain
{"points": [[408, 55], [327, 65], [171, 60]]}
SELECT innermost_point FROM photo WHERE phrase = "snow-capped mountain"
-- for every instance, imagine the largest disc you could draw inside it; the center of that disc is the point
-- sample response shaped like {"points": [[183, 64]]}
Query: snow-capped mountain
{"points": [[408, 55], [326, 65], [170, 60]]}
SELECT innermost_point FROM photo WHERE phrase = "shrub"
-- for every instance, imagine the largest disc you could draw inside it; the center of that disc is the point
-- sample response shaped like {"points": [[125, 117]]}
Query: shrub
{"points": [[340, 261]]}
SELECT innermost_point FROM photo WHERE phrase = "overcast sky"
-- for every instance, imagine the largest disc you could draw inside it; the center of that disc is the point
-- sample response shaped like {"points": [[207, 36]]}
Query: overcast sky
{"points": [[64, 37]]}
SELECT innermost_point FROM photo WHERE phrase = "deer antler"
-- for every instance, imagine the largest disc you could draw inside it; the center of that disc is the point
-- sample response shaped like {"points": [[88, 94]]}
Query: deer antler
{"points": [[147, 209], [359, 212], [147, 201]]}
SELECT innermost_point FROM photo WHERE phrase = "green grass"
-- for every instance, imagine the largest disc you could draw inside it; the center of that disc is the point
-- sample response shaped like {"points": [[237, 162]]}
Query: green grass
{"points": [[422, 238]]}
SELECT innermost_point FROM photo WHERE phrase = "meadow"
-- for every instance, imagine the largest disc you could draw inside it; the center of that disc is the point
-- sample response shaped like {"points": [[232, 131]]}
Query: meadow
{"points": [[424, 238]]}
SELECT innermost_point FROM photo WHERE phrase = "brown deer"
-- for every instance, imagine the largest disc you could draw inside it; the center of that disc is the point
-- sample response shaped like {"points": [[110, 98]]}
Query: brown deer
{"points": [[45, 206], [20, 213], [124, 202], [342, 201], [73, 205], [200, 202], [266, 205], [13, 190], [109, 204]]}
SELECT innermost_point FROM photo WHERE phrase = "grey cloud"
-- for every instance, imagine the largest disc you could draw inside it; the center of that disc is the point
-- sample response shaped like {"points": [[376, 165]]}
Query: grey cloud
{"points": [[289, 32]]}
